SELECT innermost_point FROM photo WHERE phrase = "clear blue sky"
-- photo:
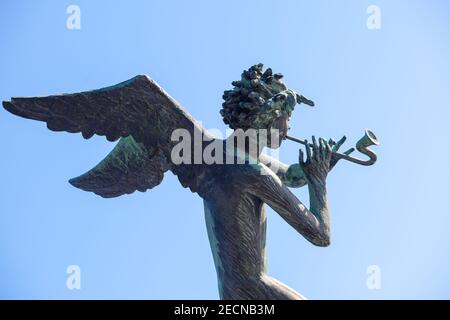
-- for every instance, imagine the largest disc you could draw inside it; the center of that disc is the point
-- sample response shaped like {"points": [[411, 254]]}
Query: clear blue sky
{"points": [[395, 81]]}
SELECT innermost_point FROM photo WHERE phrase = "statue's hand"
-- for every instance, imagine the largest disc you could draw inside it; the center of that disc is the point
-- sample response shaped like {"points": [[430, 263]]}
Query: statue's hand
{"points": [[335, 148], [318, 161]]}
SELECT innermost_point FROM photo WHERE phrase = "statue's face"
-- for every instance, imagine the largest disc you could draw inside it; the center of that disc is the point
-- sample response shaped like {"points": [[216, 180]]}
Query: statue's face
{"points": [[280, 125], [279, 130]]}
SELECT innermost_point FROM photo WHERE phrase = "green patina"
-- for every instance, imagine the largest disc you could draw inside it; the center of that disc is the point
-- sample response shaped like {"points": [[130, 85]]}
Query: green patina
{"points": [[258, 99]]}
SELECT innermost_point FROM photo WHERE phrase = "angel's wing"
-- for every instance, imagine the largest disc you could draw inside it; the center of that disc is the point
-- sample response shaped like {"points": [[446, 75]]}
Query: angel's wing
{"points": [[128, 167], [138, 111]]}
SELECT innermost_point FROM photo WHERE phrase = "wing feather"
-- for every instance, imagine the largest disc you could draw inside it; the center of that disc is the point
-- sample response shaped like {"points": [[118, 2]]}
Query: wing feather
{"points": [[138, 111], [128, 167]]}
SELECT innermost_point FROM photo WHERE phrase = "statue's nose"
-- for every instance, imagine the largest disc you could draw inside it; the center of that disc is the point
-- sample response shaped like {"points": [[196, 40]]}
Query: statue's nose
{"points": [[282, 124]]}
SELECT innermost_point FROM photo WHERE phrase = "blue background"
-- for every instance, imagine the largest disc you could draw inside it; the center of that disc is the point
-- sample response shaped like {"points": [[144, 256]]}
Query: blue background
{"points": [[154, 245]]}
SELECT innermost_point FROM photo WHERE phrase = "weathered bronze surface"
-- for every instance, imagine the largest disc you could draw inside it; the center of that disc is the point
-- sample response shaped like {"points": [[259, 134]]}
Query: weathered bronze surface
{"points": [[143, 116]]}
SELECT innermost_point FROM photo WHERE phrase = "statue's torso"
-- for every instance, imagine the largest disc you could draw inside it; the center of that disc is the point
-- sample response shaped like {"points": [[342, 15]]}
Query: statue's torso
{"points": [[236, 224]]}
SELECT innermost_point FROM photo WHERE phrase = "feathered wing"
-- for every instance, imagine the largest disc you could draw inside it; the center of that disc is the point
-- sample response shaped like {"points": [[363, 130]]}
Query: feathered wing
{"points": [[128, 167], [138, 111]]}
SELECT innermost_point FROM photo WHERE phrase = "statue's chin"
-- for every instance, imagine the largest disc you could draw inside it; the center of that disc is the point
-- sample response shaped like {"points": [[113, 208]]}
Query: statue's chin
{"points": [[276, 145]]}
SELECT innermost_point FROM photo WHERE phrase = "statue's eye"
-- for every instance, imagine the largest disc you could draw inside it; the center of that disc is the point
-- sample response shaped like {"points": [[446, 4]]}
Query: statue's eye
{"points": [[279, 97]]}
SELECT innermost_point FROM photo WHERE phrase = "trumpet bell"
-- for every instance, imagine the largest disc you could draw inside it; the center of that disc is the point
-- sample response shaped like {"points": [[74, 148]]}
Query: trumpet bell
{"points": [[369, 139]]}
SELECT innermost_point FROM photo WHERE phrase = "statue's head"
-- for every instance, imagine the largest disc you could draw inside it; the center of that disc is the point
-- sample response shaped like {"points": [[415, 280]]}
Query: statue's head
{"points": [[260, 100]]}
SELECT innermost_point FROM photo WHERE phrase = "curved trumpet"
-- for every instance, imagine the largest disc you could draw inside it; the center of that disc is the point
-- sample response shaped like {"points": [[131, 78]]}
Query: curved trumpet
{"points": [[363, 144]]}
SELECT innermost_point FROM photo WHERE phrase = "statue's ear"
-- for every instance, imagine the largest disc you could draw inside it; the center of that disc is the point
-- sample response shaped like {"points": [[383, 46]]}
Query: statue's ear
{"points": [[302, 99]]}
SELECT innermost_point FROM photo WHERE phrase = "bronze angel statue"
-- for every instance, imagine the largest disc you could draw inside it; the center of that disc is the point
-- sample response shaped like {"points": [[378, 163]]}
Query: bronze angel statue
{"points": [[143, 117]]}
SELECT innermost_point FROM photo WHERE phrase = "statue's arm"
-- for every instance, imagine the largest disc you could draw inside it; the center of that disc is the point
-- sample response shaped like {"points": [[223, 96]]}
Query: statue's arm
{"points": [[312, 223], [292, 176]]}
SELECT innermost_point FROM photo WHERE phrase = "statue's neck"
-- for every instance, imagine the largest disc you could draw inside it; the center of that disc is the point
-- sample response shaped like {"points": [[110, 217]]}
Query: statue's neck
{"points": [[244, 146]]}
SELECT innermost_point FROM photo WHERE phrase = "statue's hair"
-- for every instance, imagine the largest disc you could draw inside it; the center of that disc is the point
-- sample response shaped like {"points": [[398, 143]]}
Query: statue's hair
{"points": [[250, 104]]}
